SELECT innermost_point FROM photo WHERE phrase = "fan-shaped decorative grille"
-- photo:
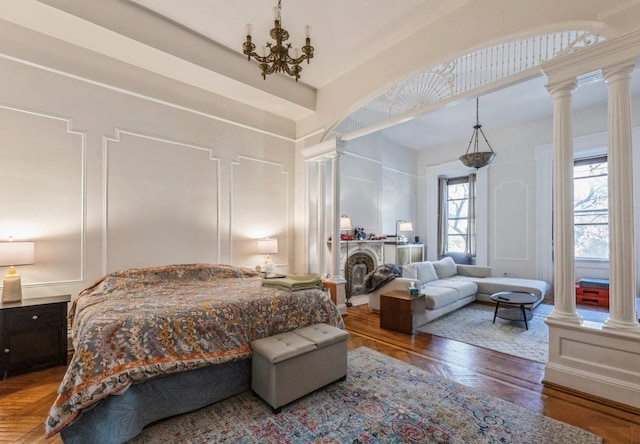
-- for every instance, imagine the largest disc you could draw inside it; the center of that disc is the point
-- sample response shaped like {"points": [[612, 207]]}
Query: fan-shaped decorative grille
{"points": [[419, 91], [469, 72]]}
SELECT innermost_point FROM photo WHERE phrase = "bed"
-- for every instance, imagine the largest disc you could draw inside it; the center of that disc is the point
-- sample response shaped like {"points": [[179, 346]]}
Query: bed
{"points": [[155, 342]]}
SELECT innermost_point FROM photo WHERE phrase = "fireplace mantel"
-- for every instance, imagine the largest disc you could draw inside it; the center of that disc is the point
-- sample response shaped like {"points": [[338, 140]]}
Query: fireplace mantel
{"points": [[357, 258], [374, 248]]}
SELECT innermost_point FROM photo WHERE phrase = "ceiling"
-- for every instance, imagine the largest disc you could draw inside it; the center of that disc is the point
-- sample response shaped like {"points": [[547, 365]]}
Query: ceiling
{"points": [[345, 35]]}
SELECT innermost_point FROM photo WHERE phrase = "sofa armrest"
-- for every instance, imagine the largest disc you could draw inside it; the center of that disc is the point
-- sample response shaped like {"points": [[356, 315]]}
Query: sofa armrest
{"points": [[398, 283], [474, 270]]}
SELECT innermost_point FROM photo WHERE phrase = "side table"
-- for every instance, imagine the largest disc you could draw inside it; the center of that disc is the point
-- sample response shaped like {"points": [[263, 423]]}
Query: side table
{"points": [[33, 334], [397, 309]]}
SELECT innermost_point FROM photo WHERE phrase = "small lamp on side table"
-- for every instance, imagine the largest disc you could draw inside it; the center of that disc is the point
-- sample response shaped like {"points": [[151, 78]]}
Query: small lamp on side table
{"points": [[14, 253], [401, 226]]}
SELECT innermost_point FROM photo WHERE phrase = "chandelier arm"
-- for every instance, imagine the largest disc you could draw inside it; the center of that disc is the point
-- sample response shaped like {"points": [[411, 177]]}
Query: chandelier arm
{"points": [[262, 59]]}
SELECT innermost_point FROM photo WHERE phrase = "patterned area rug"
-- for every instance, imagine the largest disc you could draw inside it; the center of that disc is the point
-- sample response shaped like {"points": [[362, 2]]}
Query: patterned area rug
{"points": [[382, 400], [472, 324]]}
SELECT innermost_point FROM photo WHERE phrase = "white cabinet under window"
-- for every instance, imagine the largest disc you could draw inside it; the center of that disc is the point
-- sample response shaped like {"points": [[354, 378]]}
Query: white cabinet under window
{"points": [[402, 254]]}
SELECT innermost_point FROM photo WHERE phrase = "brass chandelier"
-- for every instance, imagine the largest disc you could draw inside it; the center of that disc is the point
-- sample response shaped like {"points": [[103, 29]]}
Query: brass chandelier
{"points": [[476, 158], [276, 58]]}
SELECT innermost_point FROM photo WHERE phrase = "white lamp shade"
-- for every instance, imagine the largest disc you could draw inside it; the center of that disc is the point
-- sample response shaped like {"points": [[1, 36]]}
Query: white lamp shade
{"points": [[267, 246], [345, 223], [16, 253], [405, 226]]}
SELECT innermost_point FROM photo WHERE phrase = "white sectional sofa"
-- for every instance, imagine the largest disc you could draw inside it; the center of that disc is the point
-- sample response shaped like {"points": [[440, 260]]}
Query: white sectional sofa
{"points": [[448, 286]]}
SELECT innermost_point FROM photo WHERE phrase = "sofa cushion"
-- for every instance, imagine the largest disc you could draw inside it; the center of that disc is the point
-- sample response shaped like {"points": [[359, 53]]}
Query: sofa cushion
{"points": [[426, 272], [445, 267], [463, 287], [437, 297], [409, 271]]}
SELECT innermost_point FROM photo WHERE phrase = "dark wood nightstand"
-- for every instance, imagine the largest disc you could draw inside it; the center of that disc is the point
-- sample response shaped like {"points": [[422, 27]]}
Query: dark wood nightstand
{"points": [[33, 334], [397, 309]]}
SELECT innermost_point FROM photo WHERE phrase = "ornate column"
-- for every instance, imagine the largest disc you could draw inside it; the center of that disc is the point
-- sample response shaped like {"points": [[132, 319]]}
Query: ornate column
{"points": [[321, 234], [335, 205], [622, 264], [563, 234], [336, 277]]}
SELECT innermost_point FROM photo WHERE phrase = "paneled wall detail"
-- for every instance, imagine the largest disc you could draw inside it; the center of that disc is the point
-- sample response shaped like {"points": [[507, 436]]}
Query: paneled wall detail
{"points": [[259, 208], [161, 202], [511, 219], [360, 199], [42, 179]]}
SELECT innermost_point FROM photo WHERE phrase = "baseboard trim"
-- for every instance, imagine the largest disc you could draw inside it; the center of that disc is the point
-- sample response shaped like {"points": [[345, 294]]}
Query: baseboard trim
{"points": [[608, 406]]}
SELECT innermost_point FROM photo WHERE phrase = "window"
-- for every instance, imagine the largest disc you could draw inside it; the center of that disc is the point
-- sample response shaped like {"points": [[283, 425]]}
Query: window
{"points": [[591, 208], [457, 214]]}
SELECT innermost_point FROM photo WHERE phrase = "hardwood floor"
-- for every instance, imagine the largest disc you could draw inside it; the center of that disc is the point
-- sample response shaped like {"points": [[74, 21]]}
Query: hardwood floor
{"points": [[25, 399]]}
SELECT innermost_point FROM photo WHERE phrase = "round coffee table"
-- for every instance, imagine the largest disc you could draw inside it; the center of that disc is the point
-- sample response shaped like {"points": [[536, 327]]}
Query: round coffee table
{"points": [[514, 298]]}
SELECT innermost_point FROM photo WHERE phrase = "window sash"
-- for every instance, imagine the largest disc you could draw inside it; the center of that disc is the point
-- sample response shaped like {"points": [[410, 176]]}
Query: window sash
{"points": [[591, 217], [457, 226]]}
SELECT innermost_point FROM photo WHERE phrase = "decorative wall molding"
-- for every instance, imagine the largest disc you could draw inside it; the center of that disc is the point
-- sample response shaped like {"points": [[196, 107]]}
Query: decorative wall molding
{"points": [[170, 210], [511, 219], [46, 229], [264, 200], [153, 99]]}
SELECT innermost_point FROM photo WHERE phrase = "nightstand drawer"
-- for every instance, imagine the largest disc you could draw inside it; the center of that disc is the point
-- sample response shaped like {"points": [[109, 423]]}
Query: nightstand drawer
{"points": [[33, 334], [31, 317]]}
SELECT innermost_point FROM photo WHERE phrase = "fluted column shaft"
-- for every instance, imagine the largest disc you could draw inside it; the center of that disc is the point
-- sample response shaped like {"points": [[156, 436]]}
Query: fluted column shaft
{"points": [[622, 264], [563, 223], [321, 217], [335, 217]]}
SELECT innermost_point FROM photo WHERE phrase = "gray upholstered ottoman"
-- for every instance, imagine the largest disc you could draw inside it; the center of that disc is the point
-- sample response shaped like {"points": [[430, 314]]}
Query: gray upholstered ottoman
{"points": [[290, 365]]}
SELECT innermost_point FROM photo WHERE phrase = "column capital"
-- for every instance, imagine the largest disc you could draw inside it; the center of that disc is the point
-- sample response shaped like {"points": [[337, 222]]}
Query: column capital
{"points": [[621, 71], [341, 144], [561, 89]]}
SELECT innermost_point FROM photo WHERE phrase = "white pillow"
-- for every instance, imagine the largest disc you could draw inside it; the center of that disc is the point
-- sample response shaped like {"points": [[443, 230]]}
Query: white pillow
{"points": [[445, 267], [409, 271], [426, 272]]}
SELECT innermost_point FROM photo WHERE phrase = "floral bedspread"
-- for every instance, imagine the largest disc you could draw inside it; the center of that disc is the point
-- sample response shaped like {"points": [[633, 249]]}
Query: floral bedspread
{"points": [[134, 325]]}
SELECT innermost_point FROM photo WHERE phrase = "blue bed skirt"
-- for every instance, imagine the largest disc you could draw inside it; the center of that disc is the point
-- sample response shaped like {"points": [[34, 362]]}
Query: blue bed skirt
{"points": [[119, 418]]}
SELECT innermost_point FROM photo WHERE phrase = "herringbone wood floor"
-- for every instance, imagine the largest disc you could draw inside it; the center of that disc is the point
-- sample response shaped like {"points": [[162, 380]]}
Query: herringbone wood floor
{"points": [[25, 399]]}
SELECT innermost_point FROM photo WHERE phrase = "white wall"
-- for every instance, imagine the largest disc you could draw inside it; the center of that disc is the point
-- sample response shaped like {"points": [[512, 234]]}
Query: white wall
{"points": [[378, 184], [102, 180]]}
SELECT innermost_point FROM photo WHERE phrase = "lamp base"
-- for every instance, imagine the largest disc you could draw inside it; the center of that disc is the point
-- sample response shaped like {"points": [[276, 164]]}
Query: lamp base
{"points": [[11, 289]]}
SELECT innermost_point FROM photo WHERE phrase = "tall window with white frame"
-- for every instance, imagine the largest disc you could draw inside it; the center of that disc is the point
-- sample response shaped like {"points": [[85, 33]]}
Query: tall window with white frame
{"points": [[591, 208], [457, 214], [456, 231]]}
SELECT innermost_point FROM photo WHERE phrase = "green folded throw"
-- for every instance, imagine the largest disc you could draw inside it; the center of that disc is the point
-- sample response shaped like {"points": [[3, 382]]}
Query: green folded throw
{"points": [[295, 282]]}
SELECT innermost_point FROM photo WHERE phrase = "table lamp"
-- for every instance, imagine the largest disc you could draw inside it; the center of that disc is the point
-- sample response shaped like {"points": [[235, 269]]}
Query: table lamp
{"points": [[401, 226], [268, 246], [14, 253]]}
